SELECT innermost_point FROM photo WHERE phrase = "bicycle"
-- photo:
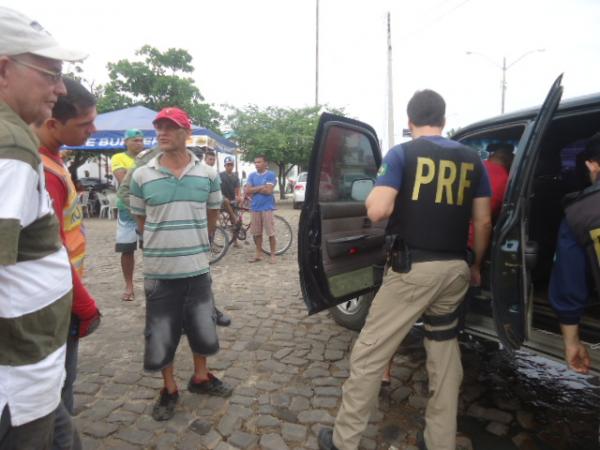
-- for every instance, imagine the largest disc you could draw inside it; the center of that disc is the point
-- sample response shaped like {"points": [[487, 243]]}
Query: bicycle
{"points": [[219, 245], [239, 230]]}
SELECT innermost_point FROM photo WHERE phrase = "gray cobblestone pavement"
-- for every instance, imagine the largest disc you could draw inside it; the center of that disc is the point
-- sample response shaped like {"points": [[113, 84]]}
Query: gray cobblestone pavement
{"points": [[287, 369]]}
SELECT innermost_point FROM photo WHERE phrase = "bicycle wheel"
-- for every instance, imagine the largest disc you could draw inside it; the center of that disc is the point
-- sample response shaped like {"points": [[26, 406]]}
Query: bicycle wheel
{"points": [[245, 217], [220, 244], [223, 219], [283, 237]]}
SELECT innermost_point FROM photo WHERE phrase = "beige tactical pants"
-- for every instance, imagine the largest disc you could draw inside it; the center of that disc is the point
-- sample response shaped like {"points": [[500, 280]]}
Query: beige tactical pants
{"points": [[436, 288]]}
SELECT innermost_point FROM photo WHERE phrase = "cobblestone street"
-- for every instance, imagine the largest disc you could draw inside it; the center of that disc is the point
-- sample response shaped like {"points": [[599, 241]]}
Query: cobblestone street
{"points": [[287, 369]]}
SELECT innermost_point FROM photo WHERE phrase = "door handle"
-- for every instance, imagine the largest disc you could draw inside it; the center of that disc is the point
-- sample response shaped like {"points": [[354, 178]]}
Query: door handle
{"points": [[348, 239]]}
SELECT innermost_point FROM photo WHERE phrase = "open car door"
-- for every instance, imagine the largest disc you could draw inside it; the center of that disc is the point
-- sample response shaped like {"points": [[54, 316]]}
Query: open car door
{"points": [[513, 255], [340, 252]]}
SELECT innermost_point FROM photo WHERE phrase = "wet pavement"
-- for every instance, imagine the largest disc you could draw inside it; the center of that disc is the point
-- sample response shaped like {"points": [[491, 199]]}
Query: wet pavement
{"points": [[288, 368]]}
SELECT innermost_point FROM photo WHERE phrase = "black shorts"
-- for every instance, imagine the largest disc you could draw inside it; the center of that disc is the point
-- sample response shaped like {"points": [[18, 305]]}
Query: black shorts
{"points": [[173, 306]]}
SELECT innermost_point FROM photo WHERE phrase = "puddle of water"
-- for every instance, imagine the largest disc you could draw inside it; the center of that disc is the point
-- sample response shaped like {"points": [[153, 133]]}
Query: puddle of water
{"points": [[565, 405]]}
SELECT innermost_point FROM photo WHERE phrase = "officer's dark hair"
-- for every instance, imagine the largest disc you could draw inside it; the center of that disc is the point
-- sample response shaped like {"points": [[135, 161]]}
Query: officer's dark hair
{"points": [[426, 107], [592, 149], [77, 100], [263, 157], [591, 152]]}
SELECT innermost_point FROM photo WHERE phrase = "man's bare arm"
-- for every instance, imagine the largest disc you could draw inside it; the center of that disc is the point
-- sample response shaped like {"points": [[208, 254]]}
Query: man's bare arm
{"points": [[482, 228], [211, 216], [120, 174], [141, 221], [267, 189], [576, 353], [380, 203]]}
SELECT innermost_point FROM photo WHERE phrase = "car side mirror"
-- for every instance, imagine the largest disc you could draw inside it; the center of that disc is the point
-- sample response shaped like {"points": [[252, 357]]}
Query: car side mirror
{"points": [[361, 188]]}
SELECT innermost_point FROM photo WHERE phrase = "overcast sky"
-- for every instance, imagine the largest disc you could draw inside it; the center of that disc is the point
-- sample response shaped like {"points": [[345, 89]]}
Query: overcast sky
{"points": [[263, 51]]}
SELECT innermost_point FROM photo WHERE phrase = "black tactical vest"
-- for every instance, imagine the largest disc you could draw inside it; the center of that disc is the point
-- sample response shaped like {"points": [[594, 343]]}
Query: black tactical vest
{"points": [[433, 207], [582, 214]]}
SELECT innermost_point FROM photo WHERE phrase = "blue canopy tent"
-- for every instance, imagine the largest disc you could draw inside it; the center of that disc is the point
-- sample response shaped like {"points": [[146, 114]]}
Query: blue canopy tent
{"points": [[112, 125]]}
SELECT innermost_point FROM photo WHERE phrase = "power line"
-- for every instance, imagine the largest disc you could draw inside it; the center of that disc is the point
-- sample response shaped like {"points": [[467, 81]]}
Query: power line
{"points": [[436, 19]]}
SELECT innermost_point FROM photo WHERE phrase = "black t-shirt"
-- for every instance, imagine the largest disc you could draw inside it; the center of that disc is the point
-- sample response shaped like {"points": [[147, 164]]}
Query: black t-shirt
{"points": [[229, 183]]}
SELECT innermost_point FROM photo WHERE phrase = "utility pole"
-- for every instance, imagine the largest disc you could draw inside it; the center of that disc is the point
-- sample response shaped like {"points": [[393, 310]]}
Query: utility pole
{"points": [[390, 94], [504, 67], [317, 59]]}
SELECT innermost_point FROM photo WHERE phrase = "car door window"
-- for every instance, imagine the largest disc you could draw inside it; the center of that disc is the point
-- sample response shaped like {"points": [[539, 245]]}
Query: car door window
{"points": [[348, 157]]}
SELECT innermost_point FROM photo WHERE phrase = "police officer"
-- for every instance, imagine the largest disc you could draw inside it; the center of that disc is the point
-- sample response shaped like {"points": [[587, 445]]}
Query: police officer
{"points": [[578, 256], [429, 188]]}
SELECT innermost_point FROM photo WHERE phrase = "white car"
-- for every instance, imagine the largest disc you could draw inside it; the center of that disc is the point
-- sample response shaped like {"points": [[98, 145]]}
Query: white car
{"points": [[299, 190]]}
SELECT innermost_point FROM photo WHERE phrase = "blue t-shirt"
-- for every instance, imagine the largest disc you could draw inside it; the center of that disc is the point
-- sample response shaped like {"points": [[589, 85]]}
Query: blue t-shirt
{"points": [[392, 167], [262, 202]]}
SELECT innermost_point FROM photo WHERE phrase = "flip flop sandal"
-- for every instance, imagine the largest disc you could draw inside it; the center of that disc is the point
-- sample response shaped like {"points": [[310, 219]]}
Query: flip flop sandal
{"points": [[128, 297]]}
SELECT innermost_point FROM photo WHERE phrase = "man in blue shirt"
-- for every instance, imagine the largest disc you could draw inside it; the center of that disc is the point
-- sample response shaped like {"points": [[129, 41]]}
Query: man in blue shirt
{"points": [[260, 185]]}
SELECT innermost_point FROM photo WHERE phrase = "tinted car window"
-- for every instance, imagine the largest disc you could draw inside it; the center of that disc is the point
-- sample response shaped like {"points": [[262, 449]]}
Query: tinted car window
{"points": [[480, 141], [348, 157]]}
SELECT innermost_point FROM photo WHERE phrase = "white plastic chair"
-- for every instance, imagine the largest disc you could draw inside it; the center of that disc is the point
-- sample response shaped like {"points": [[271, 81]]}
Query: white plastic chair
{"points": [[83, 200], [108, 205]]}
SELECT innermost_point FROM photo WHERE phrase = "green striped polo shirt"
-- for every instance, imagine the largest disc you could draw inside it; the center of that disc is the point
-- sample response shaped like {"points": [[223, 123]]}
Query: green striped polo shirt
{"points": [[35, 279], [176, 229]]}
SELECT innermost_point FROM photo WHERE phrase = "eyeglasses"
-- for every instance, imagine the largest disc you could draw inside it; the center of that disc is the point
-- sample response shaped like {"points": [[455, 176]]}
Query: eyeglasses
{"points": [[53, 76]]}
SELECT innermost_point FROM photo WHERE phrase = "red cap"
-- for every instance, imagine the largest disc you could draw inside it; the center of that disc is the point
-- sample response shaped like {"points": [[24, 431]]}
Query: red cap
{"points": [[178, 116]]}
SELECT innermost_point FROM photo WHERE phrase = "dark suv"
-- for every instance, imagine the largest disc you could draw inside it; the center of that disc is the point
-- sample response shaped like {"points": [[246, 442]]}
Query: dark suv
{"points": [[340, 251]]}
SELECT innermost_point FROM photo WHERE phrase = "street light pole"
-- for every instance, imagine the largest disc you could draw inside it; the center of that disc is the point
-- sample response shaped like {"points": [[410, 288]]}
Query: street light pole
{"points": [[317, 58], [504, 67], [390, 80], [503, 84]]}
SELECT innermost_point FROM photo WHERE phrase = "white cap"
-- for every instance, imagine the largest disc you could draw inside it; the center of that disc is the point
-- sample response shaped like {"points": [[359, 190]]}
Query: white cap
{"points": [[23, 35]]}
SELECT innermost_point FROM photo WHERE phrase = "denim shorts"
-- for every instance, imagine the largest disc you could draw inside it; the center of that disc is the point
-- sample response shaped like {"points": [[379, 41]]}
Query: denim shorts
{"points": [[176, 306]]}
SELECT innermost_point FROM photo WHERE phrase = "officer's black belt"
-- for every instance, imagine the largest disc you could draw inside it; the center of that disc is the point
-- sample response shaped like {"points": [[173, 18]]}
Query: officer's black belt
{"points": [[420, 255], [446, 319], [441, 335]]}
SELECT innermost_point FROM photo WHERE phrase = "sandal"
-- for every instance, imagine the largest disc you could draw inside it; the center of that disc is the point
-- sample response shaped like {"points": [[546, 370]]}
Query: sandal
{"points": [[128, 296], [212, 386]]}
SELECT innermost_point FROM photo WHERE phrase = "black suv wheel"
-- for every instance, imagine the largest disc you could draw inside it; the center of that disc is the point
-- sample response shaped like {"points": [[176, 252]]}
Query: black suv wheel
{"points": [[352, 313]]}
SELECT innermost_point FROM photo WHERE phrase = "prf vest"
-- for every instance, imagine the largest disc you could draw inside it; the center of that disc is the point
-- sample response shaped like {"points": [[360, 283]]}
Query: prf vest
{"points": [[433, 207], [582, 214], [72, 215]]}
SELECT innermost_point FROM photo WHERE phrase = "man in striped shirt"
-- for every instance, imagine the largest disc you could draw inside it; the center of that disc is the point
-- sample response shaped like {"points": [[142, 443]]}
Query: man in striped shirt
{"points": [[35, 274], [175, 200]]}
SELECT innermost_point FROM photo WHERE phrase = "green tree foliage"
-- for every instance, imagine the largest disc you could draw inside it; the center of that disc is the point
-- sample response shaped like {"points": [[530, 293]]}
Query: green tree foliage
{"points": [[161, 79], [451, 132], [284, 136]]}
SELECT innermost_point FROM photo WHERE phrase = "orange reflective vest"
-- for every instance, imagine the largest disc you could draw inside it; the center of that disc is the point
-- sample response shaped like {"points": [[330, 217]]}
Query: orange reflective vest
{"points": [[72, 214]]}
